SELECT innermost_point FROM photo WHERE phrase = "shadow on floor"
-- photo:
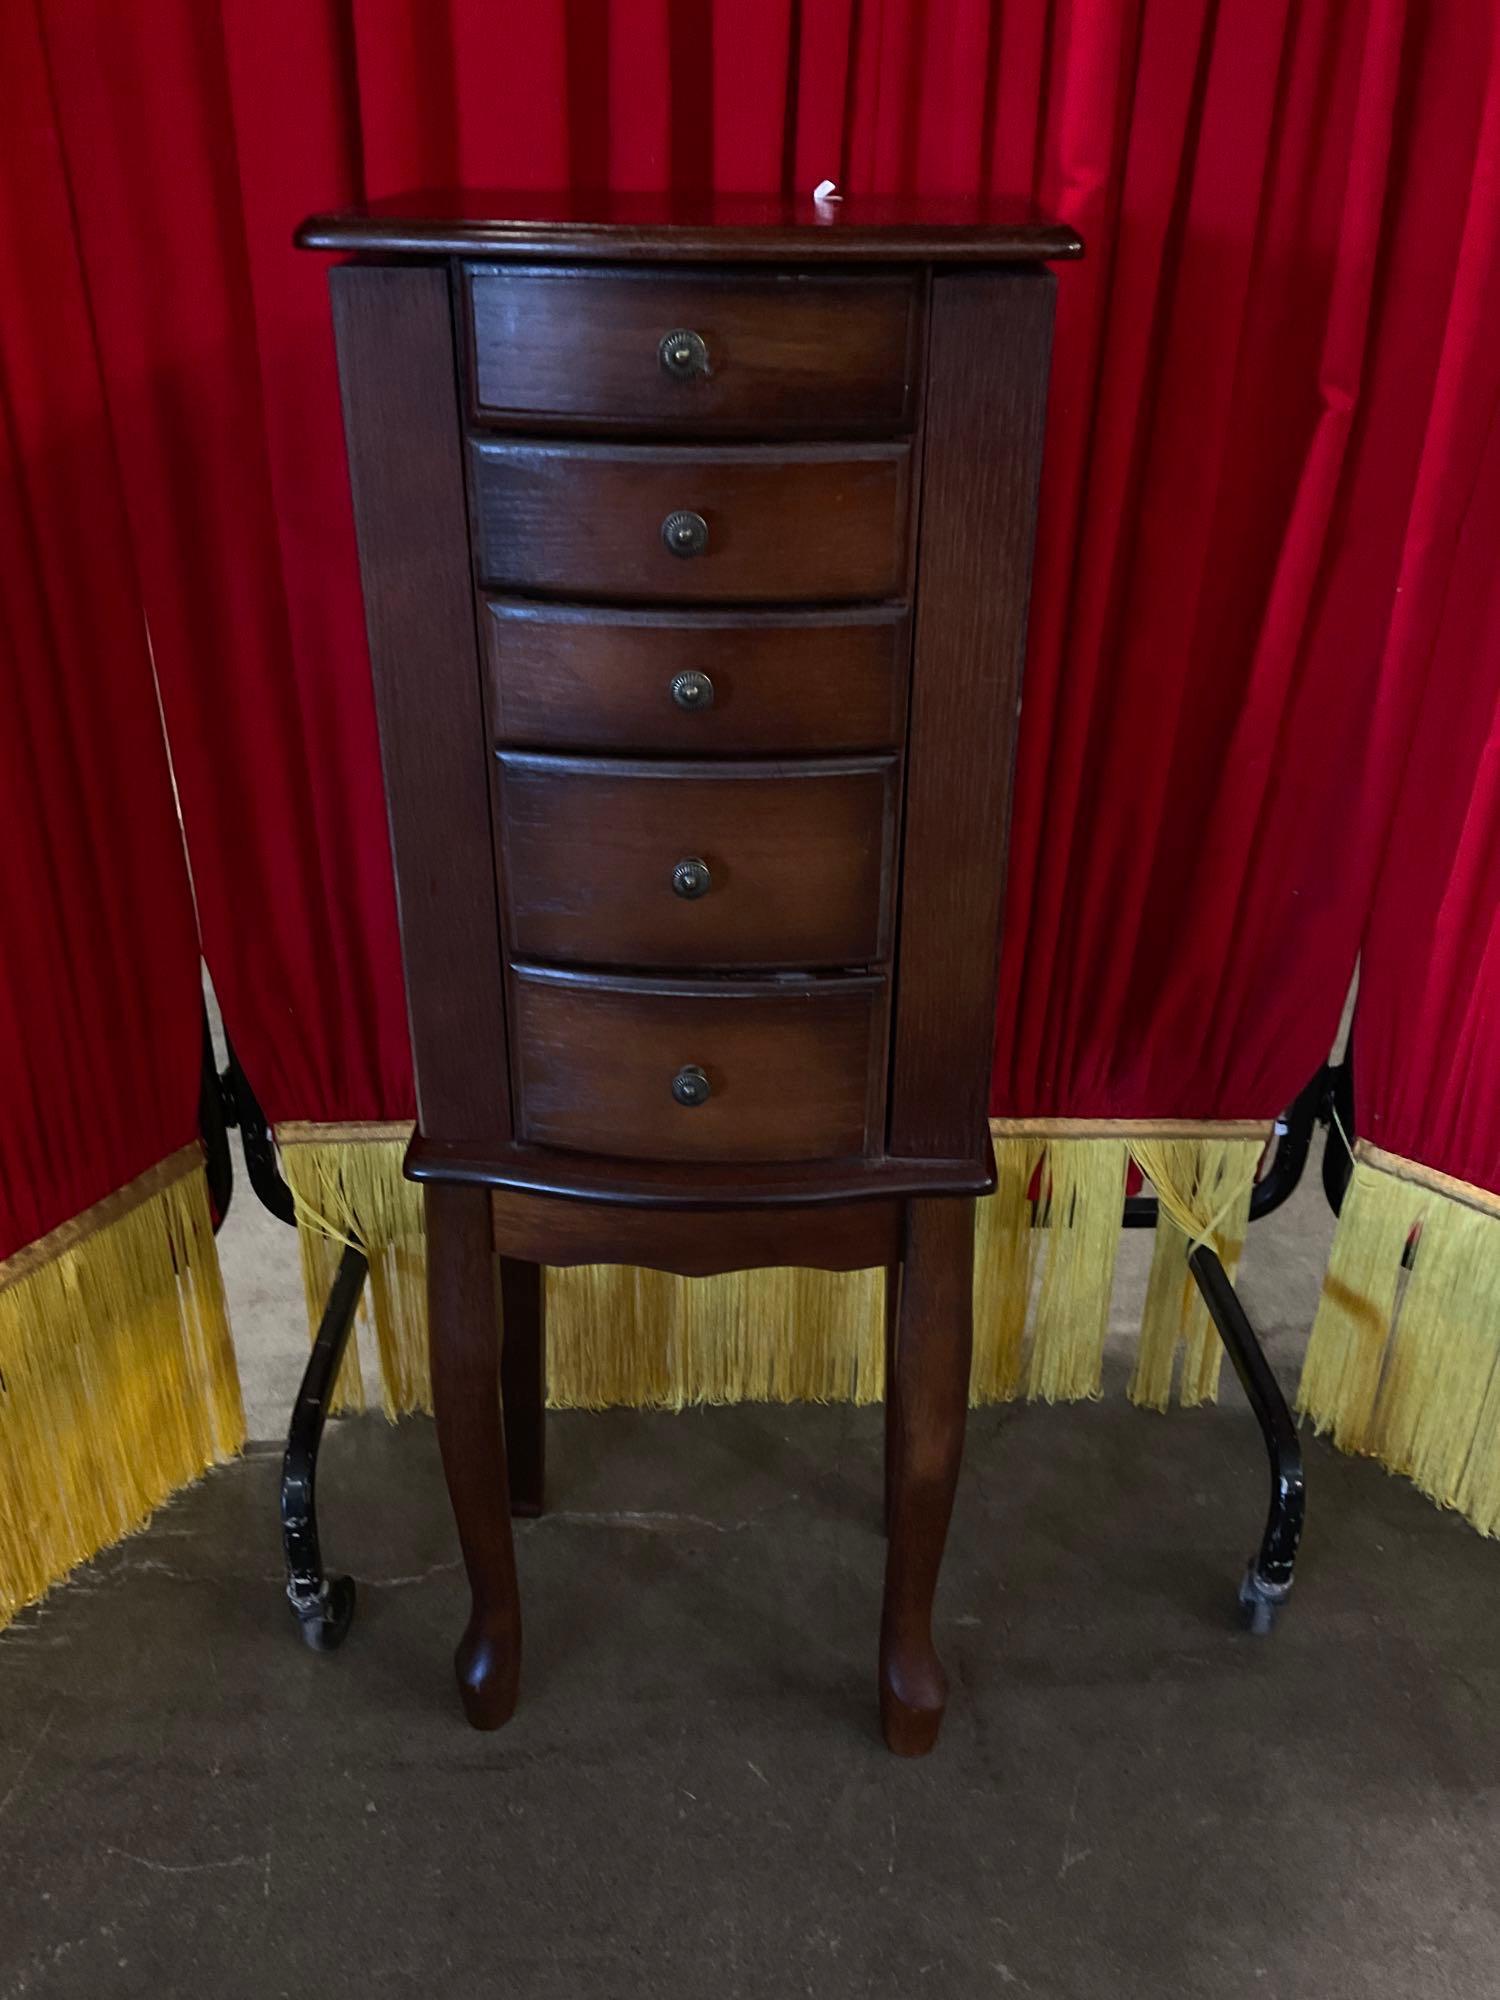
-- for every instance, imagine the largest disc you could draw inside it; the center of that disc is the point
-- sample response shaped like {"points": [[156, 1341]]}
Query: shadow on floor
{"points": [[1131, 1797]]}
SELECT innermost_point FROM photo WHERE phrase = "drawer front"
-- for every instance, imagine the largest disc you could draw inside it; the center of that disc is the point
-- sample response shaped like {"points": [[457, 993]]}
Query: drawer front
{"points": [[680, 1070], [753, 523], [703, 683], [608, 863], [764, 354]]}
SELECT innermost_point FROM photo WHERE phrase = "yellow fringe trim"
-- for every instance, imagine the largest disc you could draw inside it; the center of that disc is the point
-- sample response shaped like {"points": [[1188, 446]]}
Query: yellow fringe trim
{"points": [[1405, 1366], [1005, 1247], [622, 1336], [1203, 1189], [117, 1375], [618, 1335], [615, 1335], [1082, 1197], [350, 1191]]}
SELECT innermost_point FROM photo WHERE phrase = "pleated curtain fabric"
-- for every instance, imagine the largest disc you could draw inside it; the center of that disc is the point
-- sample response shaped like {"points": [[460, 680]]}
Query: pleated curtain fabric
{"points": [[1404, 1361], [1231, 168], [1274, 213], [116, 1379]]}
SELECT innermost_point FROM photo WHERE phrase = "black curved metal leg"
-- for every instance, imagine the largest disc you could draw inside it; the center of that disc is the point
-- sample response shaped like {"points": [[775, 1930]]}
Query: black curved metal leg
{"points": [[322, 1606], [1268, 1578]]}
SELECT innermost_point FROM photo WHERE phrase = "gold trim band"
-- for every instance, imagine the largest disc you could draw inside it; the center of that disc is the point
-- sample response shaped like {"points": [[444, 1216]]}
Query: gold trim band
{"points": [[307, 1132], [68, 1235], [1415, 1174], [1132, 1128]]}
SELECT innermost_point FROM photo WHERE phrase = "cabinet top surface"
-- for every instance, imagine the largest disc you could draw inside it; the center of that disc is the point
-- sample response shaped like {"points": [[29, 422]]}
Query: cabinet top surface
{"points": [[664, 228]]}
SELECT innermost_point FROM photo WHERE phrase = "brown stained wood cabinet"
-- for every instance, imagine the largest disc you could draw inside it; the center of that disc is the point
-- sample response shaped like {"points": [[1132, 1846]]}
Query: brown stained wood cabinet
{"points": [[695, 542]]}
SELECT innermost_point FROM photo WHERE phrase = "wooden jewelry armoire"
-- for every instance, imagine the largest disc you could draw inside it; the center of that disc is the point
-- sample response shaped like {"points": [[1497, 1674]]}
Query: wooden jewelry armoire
{"points": [[695, 540]]}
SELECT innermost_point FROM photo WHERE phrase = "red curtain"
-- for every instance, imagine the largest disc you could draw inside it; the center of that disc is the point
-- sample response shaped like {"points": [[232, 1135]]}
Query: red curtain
{"points": [[99, 999], [1205, 688], [1427, 1035], [191, 139]]}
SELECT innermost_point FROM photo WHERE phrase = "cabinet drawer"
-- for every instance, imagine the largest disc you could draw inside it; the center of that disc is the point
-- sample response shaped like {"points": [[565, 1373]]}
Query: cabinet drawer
{"points": [[614, 863], [764, 522], [696, 1070], [764, 354], [570, 677]]}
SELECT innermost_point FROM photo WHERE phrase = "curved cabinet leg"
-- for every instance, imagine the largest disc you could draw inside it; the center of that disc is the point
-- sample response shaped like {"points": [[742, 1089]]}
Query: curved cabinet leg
{"points": [[892, 1308], [934, 1336], [465, 1344], [523, 1380]]}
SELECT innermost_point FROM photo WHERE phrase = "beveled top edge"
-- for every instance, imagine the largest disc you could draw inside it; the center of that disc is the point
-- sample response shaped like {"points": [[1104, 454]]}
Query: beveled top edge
{"points": [[666, 228]]}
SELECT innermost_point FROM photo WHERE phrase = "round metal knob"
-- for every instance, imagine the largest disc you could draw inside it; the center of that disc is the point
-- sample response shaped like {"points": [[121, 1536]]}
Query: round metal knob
{"points": [[682, 354], [685, 533], [691, 878], [692, 690], [691, 1085]]}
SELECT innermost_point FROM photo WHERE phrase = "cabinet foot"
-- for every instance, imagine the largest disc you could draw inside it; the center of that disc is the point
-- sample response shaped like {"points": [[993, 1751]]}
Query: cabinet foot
{"points": [[465, 1347], [487, 1665], [928, 1403]]}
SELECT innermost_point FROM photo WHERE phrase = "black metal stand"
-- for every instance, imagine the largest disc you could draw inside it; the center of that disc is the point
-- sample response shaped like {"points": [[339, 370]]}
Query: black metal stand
{"points": [[1267, 1581], [323, 1607], [1327, 1100], [213, 1127]]}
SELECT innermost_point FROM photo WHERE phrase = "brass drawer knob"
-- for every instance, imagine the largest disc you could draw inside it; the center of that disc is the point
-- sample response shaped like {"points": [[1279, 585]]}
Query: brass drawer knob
{"points": [[685, 533], [683, 354], [692, 690], [691, 1086], [691, 878]]}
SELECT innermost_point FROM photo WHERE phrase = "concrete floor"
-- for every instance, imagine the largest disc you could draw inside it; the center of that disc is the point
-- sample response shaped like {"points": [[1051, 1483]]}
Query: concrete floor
{"points": [[1131, 1796]]}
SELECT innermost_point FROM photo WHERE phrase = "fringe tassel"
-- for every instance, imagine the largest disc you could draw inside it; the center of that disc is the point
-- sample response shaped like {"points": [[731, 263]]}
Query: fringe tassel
{"points": [[353, 1191], [1203, 1191], [117, 1376], [621, 1336], [643, 1338], [1083, 1197], [1004, 1260], [1408, 1372], [1357, 1310], [618, 1345], [615, 1335]]}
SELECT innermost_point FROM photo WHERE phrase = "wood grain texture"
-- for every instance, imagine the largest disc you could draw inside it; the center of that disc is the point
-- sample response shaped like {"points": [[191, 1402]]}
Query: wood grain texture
{"points": [[464, 1332], [794, 1066], [396, 368], [786, 523], [698, 1243], [799, 859], [928, 1398], [785, 351], [590, 677], [989, 341], [537, 764], [695, 226]]}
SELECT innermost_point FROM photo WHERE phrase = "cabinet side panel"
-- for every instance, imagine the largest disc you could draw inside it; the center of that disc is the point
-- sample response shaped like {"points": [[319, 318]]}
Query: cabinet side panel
{"points": [[989, 343], [394, 329]]}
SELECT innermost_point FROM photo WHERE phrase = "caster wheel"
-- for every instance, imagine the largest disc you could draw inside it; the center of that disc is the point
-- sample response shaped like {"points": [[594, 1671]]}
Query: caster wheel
{"points": [[1260, 1602], [325, 1625]]}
